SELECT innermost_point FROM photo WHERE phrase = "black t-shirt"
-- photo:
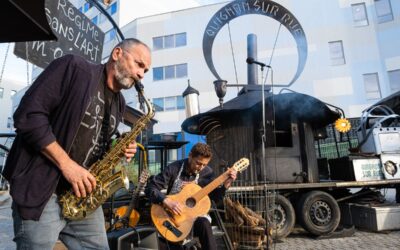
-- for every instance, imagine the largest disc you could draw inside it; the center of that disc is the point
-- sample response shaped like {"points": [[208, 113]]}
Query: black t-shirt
{"points": [[90, 144]]}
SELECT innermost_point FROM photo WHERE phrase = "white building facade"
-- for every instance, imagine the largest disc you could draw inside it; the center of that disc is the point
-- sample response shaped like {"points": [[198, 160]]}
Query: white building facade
{"points": [[8, 89], [353, 57], [353, 54]]}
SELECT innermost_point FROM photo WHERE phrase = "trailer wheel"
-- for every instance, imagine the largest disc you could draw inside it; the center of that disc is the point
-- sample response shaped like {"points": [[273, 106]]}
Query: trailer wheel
{"points": [[318, 212], [281, 216]]}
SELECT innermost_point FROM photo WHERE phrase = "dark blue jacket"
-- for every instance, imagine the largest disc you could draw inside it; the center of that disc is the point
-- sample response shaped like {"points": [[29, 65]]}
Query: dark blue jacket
{"points": [[51, 110]]}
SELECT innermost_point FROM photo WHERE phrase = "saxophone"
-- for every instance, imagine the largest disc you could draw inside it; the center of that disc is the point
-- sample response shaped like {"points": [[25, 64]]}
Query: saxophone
{"points": [[107, 182]]}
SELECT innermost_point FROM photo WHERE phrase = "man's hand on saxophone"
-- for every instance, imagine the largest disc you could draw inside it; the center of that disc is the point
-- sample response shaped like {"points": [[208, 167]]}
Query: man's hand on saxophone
{"points": [[81, 180], [130, 151]]}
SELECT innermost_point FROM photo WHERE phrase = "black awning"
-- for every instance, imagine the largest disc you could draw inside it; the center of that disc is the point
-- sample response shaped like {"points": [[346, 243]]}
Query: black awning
{"points": [[24, 20], [132, 115], [287, 107]]}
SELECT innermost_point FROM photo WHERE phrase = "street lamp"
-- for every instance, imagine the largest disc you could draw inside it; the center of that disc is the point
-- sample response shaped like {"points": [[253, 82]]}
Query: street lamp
{"points": [[191, 97], [220, 89]]}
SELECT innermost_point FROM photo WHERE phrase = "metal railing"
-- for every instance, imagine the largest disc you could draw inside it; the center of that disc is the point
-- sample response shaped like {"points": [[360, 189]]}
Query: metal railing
{"points": [[3, 156], [4, 150]]}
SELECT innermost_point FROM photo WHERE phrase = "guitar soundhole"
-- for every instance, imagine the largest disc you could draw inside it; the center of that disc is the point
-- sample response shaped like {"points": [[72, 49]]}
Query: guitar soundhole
{"points": [[191, 202]]}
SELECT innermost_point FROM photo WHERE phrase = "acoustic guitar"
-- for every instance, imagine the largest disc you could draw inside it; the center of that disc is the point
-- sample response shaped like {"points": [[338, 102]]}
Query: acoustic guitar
{"points": [[127, 216], [194, 201]]}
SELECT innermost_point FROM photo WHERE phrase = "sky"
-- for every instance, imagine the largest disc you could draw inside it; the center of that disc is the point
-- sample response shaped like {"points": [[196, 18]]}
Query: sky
{"points": [[16, 68], [142, 8]]}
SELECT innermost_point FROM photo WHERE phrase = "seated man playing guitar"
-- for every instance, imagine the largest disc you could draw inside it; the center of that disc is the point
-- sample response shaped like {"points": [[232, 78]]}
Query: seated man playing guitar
{"points": [[174, 177]]}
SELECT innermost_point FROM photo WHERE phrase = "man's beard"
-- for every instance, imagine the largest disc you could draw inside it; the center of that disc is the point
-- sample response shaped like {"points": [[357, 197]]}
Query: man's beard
{"points": [[122, 76]]}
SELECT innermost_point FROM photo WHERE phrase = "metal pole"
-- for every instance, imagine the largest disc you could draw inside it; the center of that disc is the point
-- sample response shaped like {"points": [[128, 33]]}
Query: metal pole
{"points": [[252, 73], [336, 142]]}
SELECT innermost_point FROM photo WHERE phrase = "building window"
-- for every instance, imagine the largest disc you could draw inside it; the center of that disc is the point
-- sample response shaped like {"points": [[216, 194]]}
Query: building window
{"points": [[170, 72], [1, 92], [371, 83], [102, 18], [110, 35], [180, 40], [181, 70], [360, 17], [169, 41], [383, 11], [86, 7], [180, 103], [336, 53], [112, 9], [157, 43], [158, 74], [9, 122], [13, 92], [95, 20], [169, 103], [394, 80], [158, 104]]}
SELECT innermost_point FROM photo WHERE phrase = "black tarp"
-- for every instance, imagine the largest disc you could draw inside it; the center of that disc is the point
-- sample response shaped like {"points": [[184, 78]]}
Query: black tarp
{"points": [[24, 20]]}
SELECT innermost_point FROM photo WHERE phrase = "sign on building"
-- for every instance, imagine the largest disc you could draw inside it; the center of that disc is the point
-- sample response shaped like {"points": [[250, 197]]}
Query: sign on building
{"points": [[238, 8], [76, 34]]}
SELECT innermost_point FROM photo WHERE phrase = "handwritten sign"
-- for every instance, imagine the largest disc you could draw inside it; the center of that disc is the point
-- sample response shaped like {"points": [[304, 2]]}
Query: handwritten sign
{"points": [[76, 34], [367, 169]]}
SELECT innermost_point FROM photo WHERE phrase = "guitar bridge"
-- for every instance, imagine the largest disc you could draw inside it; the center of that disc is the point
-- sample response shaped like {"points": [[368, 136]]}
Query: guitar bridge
{"points": [[171, 228]]}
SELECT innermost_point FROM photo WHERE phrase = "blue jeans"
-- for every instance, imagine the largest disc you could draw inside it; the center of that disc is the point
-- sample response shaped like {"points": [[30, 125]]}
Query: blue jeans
{"points": [[88, 233]]}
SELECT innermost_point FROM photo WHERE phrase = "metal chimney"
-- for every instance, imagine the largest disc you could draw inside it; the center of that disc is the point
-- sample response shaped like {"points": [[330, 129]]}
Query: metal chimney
{"points": [[191, 97], [252, 73]]}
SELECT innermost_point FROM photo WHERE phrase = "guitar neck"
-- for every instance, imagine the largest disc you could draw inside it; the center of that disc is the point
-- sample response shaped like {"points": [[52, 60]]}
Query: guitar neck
{"points": [[211, 186], [132, 203], [136, 193]]}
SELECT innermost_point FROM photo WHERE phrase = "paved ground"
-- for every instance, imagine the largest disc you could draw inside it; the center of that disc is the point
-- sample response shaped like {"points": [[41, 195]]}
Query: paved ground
{"points": [[6, 228], [298, 240], [360, 240]]}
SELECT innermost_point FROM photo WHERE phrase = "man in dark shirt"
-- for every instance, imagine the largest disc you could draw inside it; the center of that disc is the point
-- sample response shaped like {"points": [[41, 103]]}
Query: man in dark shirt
{"points": [[174, 177], [64, 123]]}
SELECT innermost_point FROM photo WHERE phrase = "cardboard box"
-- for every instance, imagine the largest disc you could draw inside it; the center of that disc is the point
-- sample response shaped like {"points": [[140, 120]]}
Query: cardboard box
{"points": [[375, 218]]}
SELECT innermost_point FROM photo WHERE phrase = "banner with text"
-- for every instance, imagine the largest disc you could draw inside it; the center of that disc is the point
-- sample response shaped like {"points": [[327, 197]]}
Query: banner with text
{"points": [[76, 34]]}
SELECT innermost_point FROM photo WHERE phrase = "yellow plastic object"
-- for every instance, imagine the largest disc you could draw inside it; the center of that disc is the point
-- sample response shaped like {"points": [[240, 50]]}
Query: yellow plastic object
{"points": [[342, 125]]}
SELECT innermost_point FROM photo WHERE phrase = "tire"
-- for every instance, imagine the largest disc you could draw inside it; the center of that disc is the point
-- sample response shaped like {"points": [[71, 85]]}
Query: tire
{"points": [[281, 216], [318, 213]]}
